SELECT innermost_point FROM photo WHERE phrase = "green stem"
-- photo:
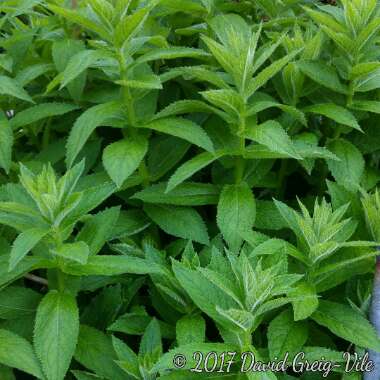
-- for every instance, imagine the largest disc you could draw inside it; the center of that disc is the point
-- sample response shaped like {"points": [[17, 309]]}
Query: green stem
{"points": [[240, 163], [128, 100]]}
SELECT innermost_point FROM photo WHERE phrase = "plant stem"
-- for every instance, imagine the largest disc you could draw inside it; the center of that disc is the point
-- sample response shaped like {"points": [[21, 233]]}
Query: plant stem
{"points": [[36, 279], [128, 100]]}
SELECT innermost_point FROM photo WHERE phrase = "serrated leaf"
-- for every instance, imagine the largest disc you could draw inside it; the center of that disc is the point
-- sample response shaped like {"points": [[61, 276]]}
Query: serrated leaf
{"points": [[78, 252], [346, 323], [191, 167], [269, 72], [6, 143], [17, 302], [184, 129], [186, 194], [273, 135], [39, 112], [23, 244], [286, 336], [56, 333], [337, 113], [349, 170], [11, 87], [76, 17], [86, 124], [78, 64], [323, 74], [190, 330], [236, 213], [122, 158], [97, 230], [17, 352], [183, 222], [171, 53], [306, 300], [95, 352], [107, 265]]}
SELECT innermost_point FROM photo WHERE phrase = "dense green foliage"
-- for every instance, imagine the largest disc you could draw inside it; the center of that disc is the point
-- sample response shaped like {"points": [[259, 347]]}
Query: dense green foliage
{"points": [[183, 176]]}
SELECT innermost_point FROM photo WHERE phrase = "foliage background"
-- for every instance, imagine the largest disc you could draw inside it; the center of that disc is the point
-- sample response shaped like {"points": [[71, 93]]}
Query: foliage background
{"points": [[186, 175]]}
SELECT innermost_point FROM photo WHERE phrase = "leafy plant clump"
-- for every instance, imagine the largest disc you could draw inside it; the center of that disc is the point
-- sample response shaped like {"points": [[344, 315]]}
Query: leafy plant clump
{"points": [[188, 179]]}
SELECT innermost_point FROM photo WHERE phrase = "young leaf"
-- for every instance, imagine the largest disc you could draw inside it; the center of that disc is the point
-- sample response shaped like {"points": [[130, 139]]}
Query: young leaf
{"points": [[24, 243], [56, 333], [236, 213]]}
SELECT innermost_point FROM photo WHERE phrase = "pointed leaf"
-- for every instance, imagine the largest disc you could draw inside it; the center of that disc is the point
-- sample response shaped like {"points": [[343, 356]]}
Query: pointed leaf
{"points": [[122, 158], [56, 333]]}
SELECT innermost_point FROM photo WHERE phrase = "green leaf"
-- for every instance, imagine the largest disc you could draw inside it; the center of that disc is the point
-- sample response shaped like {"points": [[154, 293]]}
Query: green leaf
{"points": [[129, 26], [337, 113], [23, 244], [78, 252], [236, 213], [79, 63], [183, 222], [150, 349], [39, 112], [122, 158], [191, 167], [186, 194], [86, 123], [11, 87], [348, 324], [272, 135], [171, 53], [63, 50], [95, 352], [190, 330], [323, 74], [56, 333], [184, 129], [98, 229], [17, 352], [6, 143], [349, 170], [269, 72], [366, 105], [286, 335], [75, 17], [106, 265], [306, 300], [17, 302]]}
